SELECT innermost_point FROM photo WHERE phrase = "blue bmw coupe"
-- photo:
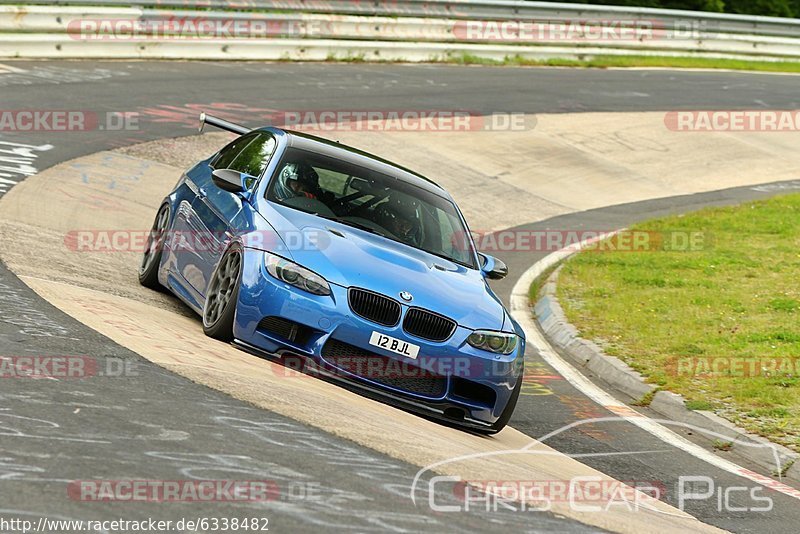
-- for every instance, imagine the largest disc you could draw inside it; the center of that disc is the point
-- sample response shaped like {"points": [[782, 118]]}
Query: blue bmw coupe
{"points": [[342, 265]]}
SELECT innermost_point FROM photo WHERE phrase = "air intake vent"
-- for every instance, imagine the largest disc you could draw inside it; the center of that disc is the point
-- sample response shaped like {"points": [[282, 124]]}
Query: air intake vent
{"points": [[289, 330], [428, 325], [374, 307]]}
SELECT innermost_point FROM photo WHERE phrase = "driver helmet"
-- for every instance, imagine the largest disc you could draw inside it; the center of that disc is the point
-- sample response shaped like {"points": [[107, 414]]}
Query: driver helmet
{"points": [[297, 179], [402, 218]]}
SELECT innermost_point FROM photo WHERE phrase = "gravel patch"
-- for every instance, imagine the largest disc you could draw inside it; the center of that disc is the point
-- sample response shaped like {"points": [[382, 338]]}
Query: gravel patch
{"points": [[180, 152]]}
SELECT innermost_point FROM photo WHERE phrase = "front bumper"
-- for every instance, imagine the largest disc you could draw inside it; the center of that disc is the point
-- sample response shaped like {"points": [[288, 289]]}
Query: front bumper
{"points": [[450, 380]]}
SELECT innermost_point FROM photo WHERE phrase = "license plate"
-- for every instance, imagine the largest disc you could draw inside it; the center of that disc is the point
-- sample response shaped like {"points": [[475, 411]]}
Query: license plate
{"points": [[403, 348]]}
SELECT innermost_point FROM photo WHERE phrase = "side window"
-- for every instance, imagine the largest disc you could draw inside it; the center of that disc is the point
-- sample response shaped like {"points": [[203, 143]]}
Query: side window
{"points": [[226, 156], [332, 181], [253, 159]]}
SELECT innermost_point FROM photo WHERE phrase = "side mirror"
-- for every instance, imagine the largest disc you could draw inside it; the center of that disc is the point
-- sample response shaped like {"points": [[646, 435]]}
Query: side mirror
{"points": [[492, 268], [230, 180]]}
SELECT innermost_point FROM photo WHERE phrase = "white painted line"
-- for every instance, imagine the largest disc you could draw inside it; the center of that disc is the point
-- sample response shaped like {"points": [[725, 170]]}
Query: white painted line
{"points": [[520, 309], [8, 69]]}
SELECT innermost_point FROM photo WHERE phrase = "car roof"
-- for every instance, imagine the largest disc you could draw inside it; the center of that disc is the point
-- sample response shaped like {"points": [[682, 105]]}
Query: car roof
{"points": [[358, 157]]}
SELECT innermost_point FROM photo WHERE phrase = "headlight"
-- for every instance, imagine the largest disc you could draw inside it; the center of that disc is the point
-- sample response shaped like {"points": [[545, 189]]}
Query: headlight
{"points": [[497, 342], [295, 275]]}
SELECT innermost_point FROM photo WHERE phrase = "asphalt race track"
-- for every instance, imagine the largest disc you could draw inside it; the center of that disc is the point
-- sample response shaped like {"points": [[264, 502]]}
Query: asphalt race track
{"points": [[157, 425]]}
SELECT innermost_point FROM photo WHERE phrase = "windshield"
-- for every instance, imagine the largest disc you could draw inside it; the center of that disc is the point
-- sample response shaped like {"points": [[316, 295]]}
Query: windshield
{"points": [[372, 201]]}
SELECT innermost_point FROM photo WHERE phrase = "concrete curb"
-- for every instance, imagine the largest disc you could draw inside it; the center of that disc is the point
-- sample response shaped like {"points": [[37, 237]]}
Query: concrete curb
{"points": [[590, 359]]}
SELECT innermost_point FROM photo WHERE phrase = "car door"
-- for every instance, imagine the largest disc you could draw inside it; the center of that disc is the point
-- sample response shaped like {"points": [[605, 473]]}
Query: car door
{"points": [[221, 214], [191, 231]]}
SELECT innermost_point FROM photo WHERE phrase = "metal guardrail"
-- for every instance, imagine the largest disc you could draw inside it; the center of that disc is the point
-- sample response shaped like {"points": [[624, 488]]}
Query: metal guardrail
{"points": [[472, 9], [325, 29]]}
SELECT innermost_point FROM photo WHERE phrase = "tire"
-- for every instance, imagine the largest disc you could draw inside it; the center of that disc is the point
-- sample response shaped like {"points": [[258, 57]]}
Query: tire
{"points": [[219, 310], [151, 259], [505, 417]]}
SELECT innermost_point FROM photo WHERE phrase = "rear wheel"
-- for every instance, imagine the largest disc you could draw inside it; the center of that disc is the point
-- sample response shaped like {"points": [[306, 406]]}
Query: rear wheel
{"points": [[219, 310], [151, 259]]}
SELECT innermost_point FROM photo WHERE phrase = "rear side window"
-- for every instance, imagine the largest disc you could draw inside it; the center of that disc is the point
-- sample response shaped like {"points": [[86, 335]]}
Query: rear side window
{"points": [[249, 154]]}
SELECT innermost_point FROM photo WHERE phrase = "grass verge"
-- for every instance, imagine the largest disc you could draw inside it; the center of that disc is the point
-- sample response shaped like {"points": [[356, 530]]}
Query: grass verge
{"points": [[719, 325], [636, 61]]}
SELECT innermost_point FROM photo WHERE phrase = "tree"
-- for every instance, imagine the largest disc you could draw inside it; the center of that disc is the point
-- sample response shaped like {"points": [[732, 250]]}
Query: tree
{"points": [[626, 3], [774, 8], [717, 6]]}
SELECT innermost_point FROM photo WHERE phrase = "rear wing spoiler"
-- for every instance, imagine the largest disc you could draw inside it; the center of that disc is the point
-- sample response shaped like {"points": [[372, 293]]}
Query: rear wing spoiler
{"points": [[222, 124]]}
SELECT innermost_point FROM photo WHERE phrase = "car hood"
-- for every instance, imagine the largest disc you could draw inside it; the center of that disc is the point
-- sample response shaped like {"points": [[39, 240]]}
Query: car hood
{"points": [[347, 256]]}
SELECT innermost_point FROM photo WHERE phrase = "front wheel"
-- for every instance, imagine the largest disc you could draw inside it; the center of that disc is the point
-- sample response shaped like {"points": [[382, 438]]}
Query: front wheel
{"points": [[219, 309], [151, 259]]}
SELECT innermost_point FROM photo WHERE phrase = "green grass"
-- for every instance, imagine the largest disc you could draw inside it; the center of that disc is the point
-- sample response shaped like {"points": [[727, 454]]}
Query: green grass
{"points": [[605, 62], [538, 284], [671, 315], [348, 57], [699, 405], [720, 445], [647, 399], [784, 469]]}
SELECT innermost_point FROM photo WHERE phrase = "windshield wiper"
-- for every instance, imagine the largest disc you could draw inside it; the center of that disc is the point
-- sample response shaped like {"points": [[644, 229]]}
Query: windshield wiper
{"points": [[354, 225], [448, 258], [364, 227]]}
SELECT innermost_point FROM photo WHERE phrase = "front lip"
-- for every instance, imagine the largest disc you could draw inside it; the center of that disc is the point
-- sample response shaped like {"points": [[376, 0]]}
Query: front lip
{"points": [[434, 409]]}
